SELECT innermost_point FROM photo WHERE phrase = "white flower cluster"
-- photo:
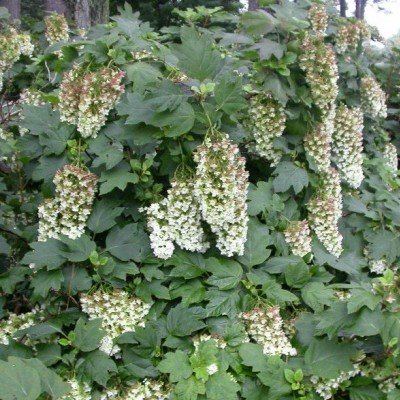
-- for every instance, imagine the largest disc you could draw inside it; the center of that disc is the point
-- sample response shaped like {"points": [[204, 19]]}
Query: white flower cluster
{"points": [[342, 295], [142, 55], [86, 98], [318, 18], [197, 339], [17, 322], [120, 313], [298, 237], [266, 121], [149, 389], [388, 379], [318, 60], [391, 158], [376, 266], [67, 213], [348, 144], [12, 45], [221, 191], [327, 388], [265, 327], [350, 35], [317, 144], [325, 209], [78, 391], [176, 218], [373, 98], [184, 218], [32, 97], [56, 28]]}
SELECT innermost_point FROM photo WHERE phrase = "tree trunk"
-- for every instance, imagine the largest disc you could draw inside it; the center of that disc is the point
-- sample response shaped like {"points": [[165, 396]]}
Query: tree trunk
{"points": [[58, 6], [253, 5], [91, 12], [360, 8], [343, 8], [13, 7]]}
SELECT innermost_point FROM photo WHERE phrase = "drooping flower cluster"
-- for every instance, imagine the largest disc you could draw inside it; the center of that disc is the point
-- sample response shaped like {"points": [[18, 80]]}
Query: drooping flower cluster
{"points": [[373, 98], [17, 322], [388, 379], [266, 121], [391, 158], [176, 219], [32, 97], [265, 327], [317, 144], [327, 388], [376, 266], [67, 212], [325, 209], [12, 45], [79, 391], [318, 18], [86, 98], [350, 35], [148, 389], [184, 218], [119, 312], [221, 191], [56, 28], [348, 144], [318, 60], [297, 235]]}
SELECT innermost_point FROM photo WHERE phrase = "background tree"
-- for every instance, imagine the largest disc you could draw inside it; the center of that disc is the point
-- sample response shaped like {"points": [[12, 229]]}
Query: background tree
{"points": [[13, 6]]}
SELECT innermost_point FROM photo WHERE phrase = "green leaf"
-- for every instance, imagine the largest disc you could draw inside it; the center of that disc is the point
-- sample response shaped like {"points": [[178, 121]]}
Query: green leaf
{"points": [[289, 175], [128, 243], [76, 279], [55, 141], [176, 365], [103, 215], [43, 281], [221, 386], [39, 119], [142, 73], [258, 22], [262, 198], [202, 358], [267, 48], [297, 275], [181, 321], [229, 94], [333, 319], [167, 96], [88, 334], [316, 295], [327, 359], [136, 108], [383, 244], [79, 249], [196, 55], [4, 246], [361, 297], [258, 238], [97, 367], [48, 254], [369, 392], [189, 389], [222, 303], [48, 166], [118, 177], [226, 274], [253, 356], [18, 381], [367, 323]]}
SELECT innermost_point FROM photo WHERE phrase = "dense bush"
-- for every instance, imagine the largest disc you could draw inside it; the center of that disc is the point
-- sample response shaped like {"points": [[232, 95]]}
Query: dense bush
{"points": [[200, 213]]}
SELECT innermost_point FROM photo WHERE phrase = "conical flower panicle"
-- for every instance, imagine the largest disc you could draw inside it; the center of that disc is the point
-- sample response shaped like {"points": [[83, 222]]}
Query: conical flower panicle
{"points": [[319, 63], [391, 158], [119, 312], [86, 98], [161, 235], [348, 144], [68, 212], [266, 121], [373, 98], [325, 210], [318, 18], [317, 144], [221, 191], [56, 28], [349, 36], [298, 237], [184, 217], [265, 327]]}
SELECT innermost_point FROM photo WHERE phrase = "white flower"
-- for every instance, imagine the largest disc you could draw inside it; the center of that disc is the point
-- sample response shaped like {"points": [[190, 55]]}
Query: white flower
{"points": [[297, 235], [318, 18], [373, 98], [221, 191], [56, 28], [391, 158], [348, 144], [265, 327], [212, 369]]}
